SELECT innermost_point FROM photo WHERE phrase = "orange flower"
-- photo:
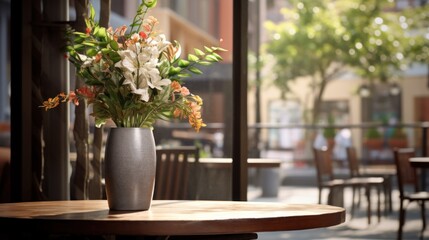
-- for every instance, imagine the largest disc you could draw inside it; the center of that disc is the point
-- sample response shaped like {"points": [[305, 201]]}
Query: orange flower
{"points": [[143, 35], [120, 31], [98, 57], [63, 96], [152, 20], [176, 86], [51, 103], [196, 122], [86, 92], [185, 91], [198, 100], [177, 113], [73, 97]]}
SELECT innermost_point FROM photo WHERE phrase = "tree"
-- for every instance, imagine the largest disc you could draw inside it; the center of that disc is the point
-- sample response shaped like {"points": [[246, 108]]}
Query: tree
{"points": [[306, 45], [323, 39], [375, 40]]}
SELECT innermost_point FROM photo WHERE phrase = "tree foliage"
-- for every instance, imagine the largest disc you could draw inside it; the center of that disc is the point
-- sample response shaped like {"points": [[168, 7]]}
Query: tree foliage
{"points": [[322, 39]]}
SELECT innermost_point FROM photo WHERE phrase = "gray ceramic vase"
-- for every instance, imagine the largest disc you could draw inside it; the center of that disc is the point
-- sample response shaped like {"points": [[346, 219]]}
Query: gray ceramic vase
{"points": [[130, 167]]}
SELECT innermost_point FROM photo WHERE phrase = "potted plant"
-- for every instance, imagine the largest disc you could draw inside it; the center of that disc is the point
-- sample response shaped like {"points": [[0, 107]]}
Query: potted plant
{"points": [[373, 139], [133, 76], [398, 139]]}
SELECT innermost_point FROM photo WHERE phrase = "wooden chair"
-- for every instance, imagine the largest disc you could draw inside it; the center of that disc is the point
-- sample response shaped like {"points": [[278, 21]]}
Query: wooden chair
{"points": [[173, 173], [354, 169], [326, 179], [173, 178], [407, 177]]}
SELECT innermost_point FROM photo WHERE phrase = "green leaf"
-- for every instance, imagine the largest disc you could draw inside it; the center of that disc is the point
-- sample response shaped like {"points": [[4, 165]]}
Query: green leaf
{"points": [[135, 25], [76, 47], [114, 56], [114, 45], [183, 75], [164, 68], [195, 70], [211, 58], [91, 52], [199, 52], [81, 34], [175, 70], [204, 63], [101, 32], [209, 50], [96, 29], [183, 63], [88, 44], [87, 23], [99, 121], [105, 51], [78, 40], [219, 49], [192, 58], [103, 44], [217, 56], [91, 12]]}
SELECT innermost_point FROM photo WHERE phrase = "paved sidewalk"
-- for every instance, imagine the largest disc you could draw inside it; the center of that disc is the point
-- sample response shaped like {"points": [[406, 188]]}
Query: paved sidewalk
{"points": [[353, 228]]}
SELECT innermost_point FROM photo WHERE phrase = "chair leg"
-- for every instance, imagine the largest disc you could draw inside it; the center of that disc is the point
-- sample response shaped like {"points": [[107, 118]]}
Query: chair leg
{"points": [[320, 195], [386, 197], [379, 203], [368, 198], [423, 216], [353, 201], [359, 197], [331, 196], [389, 193], [401, 219]]}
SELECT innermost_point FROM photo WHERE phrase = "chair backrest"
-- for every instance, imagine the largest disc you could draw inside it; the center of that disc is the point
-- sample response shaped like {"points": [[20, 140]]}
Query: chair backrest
{"points": [[405, 173], [323, 163], [174, 171], [353, 161]]}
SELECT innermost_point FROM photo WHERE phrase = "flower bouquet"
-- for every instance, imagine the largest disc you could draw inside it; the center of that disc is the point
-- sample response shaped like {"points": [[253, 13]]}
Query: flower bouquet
{"points": [[133, 75]]}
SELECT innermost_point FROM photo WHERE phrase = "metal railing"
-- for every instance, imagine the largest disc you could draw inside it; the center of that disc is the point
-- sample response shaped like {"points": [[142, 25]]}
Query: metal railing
{"points": [[296, 140]]}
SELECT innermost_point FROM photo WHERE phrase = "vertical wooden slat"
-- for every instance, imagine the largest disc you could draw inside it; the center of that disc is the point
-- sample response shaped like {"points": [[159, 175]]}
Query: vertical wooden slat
{"points": [[20, 101], [239, 155], [160, 171], [185, 178], [55, 79], [81, 128], [172, 177], [37, 122]]}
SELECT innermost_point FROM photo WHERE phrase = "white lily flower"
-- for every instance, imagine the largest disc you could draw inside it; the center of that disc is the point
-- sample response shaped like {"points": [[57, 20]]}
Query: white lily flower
{"points": [[87, 61], [140, 69], [143, 92]]}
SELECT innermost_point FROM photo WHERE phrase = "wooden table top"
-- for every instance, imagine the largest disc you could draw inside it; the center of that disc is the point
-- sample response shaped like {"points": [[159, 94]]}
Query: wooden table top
{"points": [[166, 217], [420, 162], [252, 162]]}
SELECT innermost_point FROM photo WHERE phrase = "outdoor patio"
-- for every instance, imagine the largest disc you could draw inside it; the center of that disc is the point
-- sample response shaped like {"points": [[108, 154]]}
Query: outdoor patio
{"points": [[300, 189]]}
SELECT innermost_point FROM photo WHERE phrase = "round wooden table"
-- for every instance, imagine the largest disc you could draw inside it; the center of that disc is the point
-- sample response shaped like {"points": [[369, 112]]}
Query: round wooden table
{"points": [[165, 218]]}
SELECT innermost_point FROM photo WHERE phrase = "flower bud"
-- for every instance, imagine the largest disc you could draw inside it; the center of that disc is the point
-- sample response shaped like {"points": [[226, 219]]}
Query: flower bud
{"points": [[150, 3]]}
